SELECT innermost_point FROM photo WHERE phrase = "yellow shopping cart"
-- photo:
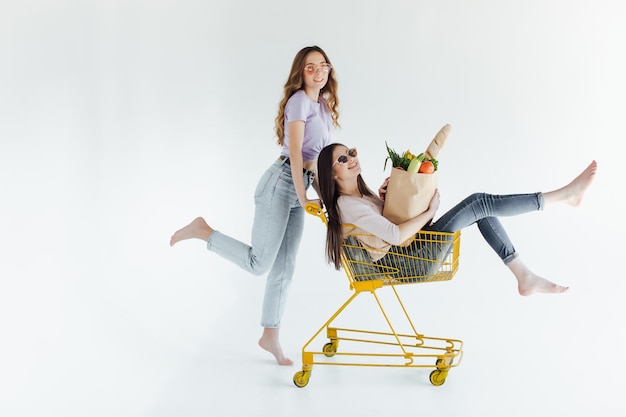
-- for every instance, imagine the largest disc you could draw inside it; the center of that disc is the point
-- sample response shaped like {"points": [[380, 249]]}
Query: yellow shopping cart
{"points": [[429, 257]]}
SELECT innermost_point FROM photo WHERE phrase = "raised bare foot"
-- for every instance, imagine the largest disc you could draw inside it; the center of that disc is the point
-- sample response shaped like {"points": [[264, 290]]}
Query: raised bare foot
{"points": [[576, 189], [198, 229], [529, 283], [533, 284], [269, 342]]}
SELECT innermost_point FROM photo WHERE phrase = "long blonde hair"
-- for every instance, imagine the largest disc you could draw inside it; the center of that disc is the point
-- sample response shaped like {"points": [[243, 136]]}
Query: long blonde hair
{"points": [[295, 82]]}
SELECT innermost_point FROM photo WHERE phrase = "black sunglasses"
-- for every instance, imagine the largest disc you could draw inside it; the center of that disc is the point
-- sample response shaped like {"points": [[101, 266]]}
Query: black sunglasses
{"points": [[343, 159]]}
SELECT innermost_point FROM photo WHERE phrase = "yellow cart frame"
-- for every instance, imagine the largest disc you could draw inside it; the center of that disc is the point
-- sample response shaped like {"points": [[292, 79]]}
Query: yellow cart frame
{"points": [[437, 261]]}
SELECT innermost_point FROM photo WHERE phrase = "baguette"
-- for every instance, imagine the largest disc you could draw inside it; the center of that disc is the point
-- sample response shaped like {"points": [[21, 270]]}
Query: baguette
{"points": [[438, 141]]}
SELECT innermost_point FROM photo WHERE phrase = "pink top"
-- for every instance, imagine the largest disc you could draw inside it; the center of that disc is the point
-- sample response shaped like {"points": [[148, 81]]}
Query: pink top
{"points": [[366, 214]]}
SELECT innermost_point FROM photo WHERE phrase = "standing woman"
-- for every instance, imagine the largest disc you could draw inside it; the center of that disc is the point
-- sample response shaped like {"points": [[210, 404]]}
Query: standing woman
{"points": [[307, 115]]}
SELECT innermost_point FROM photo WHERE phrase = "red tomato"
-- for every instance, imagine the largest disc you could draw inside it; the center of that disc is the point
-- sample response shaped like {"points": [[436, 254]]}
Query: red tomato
{"points": [[427, 167]]}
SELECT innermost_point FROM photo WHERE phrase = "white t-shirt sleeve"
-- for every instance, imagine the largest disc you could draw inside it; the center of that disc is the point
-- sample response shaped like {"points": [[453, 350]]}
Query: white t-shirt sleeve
{"points": [[367, 215]]}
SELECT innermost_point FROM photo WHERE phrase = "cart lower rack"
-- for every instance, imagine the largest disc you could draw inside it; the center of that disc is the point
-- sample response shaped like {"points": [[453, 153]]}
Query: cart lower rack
{"points": [[428, 257]]}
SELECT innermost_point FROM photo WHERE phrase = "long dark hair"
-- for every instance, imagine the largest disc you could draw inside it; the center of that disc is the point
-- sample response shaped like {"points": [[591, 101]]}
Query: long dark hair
{"points": [[329, 194], [295, 82]]}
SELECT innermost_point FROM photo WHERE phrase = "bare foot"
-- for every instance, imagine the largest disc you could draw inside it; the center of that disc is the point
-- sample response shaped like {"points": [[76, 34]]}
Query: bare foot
{"points": [[580, 184], [573, 192], [534, 284], [269, 341], [198, 229], [528, 283]]}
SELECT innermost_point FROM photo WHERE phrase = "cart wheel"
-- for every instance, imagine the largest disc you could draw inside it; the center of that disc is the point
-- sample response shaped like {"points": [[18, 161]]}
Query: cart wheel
{"points": [[301, 378], [438, 377], [330, 349]]}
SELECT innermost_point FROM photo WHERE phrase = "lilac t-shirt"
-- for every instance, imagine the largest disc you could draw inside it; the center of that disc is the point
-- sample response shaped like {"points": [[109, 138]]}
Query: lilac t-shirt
{"points": [[318, 124]]}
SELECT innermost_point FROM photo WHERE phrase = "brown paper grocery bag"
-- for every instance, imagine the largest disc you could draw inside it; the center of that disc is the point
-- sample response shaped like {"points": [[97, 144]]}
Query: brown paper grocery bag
{"points": [[408, 195]]}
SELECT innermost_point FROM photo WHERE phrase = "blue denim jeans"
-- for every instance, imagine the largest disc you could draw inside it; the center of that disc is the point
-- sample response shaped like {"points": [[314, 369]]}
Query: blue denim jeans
{"points": [[276, 234], [422, 259], [484, 209]]}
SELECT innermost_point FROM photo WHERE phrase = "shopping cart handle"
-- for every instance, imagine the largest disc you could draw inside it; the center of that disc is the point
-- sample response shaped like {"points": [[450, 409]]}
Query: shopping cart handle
{"points": [[315, 210]]}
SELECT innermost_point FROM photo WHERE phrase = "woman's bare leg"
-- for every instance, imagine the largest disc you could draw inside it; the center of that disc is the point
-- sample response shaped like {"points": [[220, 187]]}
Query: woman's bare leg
{"points": [[197, 229], [269, 341], [528, 282], [573, 192]]}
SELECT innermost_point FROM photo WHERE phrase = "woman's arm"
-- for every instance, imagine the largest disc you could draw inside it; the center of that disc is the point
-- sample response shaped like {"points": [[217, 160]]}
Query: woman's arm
{"points": [[296, 137], [410, 227], [361, 213]]}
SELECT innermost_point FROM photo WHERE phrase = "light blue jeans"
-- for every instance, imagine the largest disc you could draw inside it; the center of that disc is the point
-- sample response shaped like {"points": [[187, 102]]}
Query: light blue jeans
{"points": [[276, 234]]}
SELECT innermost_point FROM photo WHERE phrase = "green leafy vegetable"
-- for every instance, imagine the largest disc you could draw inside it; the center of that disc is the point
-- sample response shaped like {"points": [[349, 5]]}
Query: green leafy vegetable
{"points": [[403, 161]]}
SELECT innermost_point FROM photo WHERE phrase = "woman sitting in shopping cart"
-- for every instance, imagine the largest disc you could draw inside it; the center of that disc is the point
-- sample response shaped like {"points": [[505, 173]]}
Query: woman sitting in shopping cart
{"points": [[348, 200]]}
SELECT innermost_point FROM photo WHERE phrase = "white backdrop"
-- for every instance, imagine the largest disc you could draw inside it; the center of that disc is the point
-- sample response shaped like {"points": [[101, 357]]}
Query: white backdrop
{"points": [[120, 121]]}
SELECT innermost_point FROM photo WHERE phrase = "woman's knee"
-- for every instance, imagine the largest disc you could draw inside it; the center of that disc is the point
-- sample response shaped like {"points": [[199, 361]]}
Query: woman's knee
{"points": [[477, 196], [473, 199], [259, 265]]}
